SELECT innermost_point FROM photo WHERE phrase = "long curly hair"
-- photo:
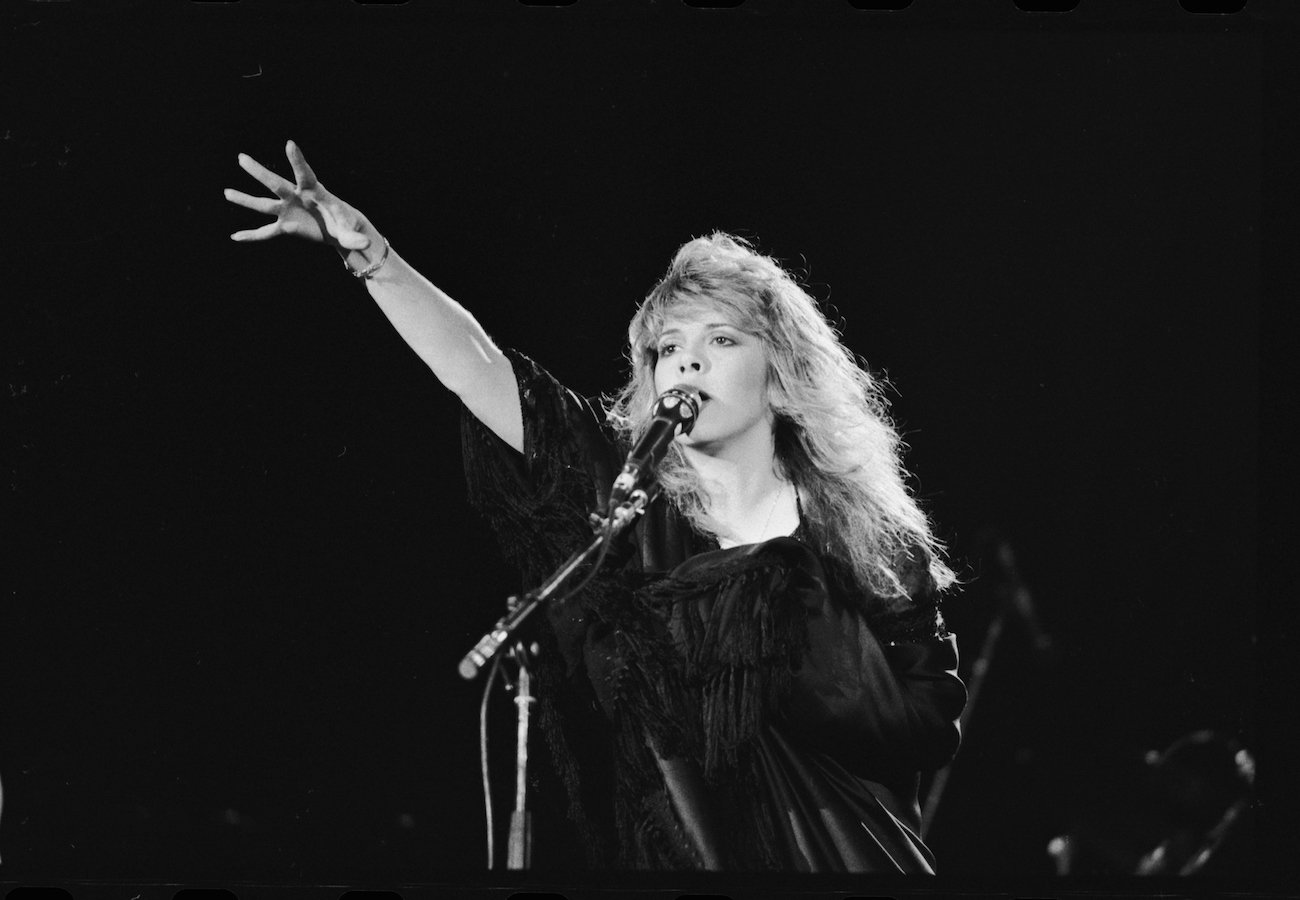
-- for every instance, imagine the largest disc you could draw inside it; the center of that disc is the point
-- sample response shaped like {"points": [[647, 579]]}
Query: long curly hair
{"points": [[833, 435]]}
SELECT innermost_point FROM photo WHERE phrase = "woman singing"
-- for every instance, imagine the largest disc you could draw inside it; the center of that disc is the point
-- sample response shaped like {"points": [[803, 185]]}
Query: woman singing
{"points": [[759, 673]]}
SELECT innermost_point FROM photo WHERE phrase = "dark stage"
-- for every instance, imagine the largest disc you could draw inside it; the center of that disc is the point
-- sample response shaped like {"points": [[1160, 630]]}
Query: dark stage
{"points": [[242, 568]]}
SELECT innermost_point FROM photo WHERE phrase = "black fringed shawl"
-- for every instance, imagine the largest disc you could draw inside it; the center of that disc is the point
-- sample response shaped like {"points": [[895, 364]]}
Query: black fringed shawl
{"points": [[708, 708]]}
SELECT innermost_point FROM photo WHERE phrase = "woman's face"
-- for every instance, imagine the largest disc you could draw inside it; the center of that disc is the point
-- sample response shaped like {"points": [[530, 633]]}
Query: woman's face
{"points": [[704, 348]]}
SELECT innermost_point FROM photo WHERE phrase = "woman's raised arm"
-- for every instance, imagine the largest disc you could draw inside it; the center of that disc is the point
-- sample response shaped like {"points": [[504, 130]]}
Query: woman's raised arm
{"points": [[441, 331]]}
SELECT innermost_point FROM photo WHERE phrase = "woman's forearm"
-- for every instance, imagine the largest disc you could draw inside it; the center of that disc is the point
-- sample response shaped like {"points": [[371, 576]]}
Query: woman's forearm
{"points": [[449, 340]]}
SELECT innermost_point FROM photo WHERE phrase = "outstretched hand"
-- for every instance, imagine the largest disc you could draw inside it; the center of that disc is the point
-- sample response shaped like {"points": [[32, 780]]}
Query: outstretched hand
{"points": [[302, 206]]}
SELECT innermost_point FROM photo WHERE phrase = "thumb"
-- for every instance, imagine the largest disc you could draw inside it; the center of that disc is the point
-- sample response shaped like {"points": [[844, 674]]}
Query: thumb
{"points": [[348, 238], [353, 240]]}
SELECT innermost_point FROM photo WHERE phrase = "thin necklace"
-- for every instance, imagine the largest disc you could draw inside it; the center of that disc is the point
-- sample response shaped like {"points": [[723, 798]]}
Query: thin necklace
{"points": [[771, 512]]}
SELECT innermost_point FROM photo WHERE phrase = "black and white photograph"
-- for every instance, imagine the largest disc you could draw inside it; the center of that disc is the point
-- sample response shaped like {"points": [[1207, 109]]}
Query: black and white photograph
{"points": [[659, 444]]}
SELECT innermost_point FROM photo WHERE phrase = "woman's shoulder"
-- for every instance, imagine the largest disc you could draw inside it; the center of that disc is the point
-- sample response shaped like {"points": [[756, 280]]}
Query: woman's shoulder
{"points": [[542, 394], [539, 499]]}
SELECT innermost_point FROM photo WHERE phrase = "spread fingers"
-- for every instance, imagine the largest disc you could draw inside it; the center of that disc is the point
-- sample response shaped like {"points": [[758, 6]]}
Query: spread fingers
{"points": [[281, 187], [269, 230], [301, 171], [266, 205]]}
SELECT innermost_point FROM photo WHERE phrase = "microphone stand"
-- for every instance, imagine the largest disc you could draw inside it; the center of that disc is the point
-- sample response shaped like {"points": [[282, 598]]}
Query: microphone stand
{"points": [[519, 848]]}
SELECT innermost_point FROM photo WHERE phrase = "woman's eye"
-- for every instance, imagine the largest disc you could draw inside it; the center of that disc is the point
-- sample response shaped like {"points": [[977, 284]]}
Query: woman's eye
{"points": [[666, 349], [723, 339]]}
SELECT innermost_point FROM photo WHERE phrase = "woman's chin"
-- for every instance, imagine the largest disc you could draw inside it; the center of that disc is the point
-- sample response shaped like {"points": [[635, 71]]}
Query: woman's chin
{"points": [[703, 443]]}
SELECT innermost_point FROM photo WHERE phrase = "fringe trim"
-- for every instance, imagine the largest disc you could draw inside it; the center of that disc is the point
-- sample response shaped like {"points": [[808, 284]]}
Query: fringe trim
{"points": [[699, 666], [650, 835]]}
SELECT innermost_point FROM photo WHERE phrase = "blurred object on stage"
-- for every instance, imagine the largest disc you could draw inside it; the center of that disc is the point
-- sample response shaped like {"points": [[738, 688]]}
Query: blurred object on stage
{"points": [[982, 621], [1185, 811]]}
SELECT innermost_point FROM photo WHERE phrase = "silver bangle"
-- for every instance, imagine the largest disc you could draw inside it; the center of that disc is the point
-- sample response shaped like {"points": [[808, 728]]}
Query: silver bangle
{"points": [[371, 269]]}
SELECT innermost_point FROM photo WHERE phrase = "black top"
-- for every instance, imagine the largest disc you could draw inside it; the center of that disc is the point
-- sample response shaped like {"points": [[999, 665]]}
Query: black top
{"points": [[721, 709]]}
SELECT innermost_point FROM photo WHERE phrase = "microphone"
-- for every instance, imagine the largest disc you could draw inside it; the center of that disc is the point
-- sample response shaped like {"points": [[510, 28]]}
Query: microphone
{"points": [[673, 413]]}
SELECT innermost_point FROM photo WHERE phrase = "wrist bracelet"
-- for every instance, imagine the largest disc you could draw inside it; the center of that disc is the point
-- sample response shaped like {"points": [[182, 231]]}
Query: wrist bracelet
{"points": [[371, 269]]}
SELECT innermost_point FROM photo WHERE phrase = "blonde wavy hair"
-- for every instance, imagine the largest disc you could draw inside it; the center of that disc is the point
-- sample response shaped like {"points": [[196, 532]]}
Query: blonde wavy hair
{"points": [[833, 434]]}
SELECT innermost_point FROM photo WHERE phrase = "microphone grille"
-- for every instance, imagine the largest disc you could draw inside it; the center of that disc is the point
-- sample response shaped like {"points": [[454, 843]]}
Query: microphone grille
{"points": [[680, 404]]}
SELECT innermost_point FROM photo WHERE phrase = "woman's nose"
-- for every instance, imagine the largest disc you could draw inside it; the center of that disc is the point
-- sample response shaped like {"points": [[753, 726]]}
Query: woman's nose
{"points": [[690, 364]]}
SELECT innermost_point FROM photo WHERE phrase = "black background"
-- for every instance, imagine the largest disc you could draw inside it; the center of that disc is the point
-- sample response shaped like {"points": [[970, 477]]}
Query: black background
{"points": [[242, 569]]}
